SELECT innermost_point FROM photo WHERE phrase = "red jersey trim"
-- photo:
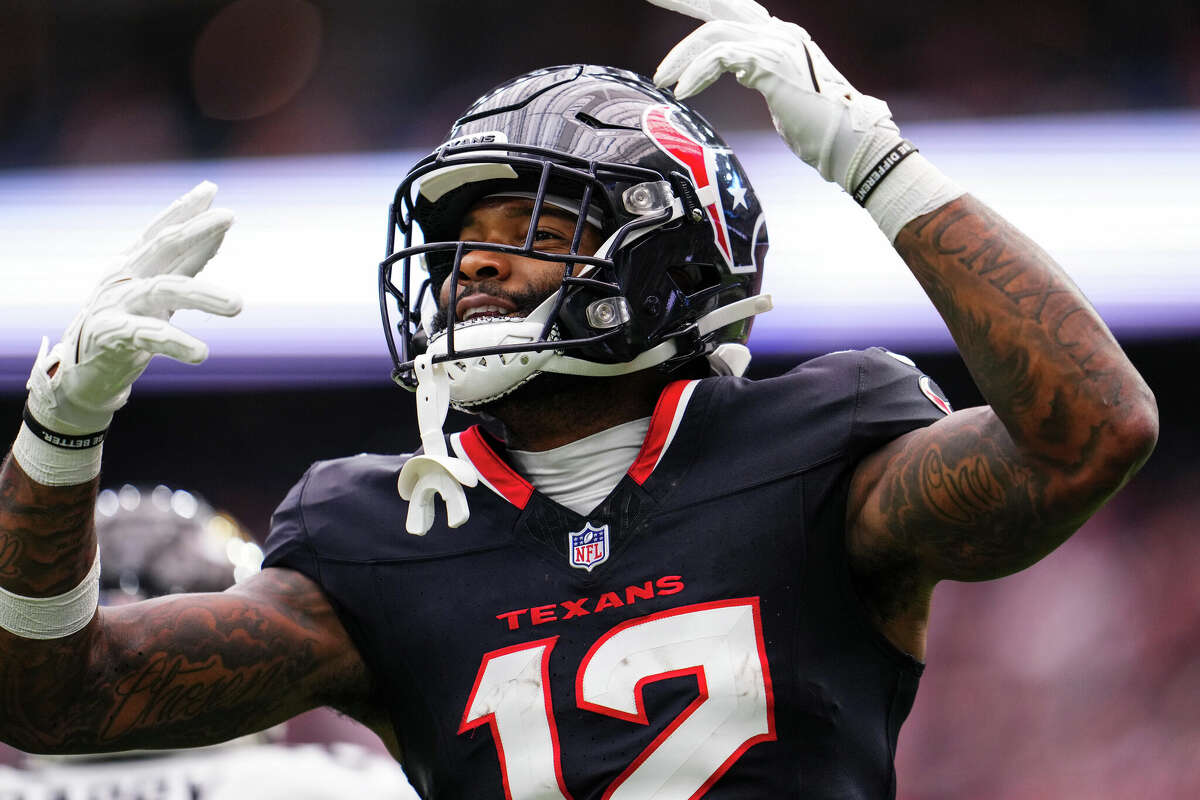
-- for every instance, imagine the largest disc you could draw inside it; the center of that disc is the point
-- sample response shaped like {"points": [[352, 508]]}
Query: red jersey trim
{"points": [[663, 424], [495, 473], [506, 482]]}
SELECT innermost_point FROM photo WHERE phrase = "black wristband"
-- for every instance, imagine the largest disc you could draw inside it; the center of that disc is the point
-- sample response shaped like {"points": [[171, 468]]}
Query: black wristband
{"points": [[62, 440], [878, 172]]}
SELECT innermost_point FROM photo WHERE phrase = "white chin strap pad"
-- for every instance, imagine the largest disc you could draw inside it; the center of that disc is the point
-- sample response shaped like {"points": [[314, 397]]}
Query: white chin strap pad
{"points": [[471, 381], [434, 472], [474, 381]]}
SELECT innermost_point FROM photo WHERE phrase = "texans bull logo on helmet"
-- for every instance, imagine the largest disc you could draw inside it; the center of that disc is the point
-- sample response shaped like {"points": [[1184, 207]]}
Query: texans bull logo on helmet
{"points": [[710, 170]]}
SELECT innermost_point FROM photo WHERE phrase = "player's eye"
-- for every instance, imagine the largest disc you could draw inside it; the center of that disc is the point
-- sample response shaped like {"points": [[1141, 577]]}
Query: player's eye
{"points": [[549, 237]]}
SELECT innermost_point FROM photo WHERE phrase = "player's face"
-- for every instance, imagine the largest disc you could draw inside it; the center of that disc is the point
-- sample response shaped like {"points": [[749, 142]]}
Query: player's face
{"points": [[501, 284]]}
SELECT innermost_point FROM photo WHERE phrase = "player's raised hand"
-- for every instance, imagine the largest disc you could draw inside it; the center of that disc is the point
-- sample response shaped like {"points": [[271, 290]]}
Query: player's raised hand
{"points": [[826, 121], [77, 385]]}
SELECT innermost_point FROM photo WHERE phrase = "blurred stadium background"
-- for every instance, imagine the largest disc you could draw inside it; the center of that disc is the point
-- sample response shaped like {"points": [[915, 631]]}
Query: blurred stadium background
{"points": [[1079, 678]]}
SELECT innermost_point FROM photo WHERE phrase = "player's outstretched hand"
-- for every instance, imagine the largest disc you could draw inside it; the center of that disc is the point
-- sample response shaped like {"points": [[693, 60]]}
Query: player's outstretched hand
{"points": [[76, 385], [826, 121]]}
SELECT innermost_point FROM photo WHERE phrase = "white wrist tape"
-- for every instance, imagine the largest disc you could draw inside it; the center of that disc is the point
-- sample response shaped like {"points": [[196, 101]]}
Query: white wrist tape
{"points": [[50, 465], [52, 617], [911, 188]]}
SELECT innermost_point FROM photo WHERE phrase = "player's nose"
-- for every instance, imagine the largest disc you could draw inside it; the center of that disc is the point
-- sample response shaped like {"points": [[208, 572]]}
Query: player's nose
{"points": [[478, 265]]}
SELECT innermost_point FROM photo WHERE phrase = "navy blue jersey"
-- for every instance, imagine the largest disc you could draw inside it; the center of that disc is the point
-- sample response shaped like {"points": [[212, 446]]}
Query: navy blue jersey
{"points": [[695, 635]]}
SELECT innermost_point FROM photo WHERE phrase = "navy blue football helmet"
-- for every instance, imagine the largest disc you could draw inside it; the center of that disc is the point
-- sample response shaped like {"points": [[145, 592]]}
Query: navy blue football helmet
{"points": [[677, 276]]}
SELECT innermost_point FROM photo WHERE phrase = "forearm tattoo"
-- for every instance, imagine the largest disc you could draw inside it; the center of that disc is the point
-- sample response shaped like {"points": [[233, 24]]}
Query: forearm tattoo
{"points": [[990, 491], [46, 540], [177, 671], [189, 669], [1032, 341]]}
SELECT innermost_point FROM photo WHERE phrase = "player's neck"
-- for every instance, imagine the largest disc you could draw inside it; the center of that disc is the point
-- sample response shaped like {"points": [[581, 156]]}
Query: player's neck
{"points": [[553, 410]]}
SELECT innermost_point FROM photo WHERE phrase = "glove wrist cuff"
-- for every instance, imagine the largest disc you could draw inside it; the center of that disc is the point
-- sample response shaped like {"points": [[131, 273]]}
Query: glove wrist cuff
{"points": [[52, 459], [905, 189], [49, 403], [866, 186], [65, 441]]}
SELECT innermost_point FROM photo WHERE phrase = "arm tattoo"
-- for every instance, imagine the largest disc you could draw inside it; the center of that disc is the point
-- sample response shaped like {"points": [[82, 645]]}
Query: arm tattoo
{"points": [[965, 502], [989, 491], [207, 667], [46, 538], [178, 671], [186, 670], [1040, 354], [960, 494], [951, 501]]}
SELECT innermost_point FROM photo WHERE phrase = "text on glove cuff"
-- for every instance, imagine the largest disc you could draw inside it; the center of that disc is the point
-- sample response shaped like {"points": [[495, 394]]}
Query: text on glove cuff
{"points": [[878, 172], [81, 442]]}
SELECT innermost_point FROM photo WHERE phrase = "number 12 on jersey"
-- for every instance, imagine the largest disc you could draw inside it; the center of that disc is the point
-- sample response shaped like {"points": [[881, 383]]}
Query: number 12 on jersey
{"points": [[721, 643]]}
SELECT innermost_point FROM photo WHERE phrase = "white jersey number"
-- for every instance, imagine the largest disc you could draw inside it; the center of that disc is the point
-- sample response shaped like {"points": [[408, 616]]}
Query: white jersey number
{"points": [[720, 643]]}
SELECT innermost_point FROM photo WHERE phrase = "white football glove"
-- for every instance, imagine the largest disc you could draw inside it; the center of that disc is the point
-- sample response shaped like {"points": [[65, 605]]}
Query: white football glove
{"points": [[77, 385], [849, 137], [826, 121]]}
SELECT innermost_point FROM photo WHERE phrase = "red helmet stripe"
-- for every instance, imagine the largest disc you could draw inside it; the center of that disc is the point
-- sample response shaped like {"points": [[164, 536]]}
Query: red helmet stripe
{"points": [[692, 156], [719, 227], [677, 144]]}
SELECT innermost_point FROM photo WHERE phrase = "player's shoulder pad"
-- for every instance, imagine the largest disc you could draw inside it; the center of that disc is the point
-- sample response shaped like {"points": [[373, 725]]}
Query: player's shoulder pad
{"points": [[349, 510], [889, 371], [339, 506], [894, 397], [779, 425], [838, 405], [335, 481]]}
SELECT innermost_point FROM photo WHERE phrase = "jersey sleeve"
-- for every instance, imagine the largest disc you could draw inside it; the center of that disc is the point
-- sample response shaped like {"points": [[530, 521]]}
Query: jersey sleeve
{"points": [[830, 410], [288, 544], [893, 397]]}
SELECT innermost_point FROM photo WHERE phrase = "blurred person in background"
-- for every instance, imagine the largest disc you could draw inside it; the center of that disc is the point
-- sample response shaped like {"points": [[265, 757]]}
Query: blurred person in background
{"points": [[156, 542], [666, 581]]}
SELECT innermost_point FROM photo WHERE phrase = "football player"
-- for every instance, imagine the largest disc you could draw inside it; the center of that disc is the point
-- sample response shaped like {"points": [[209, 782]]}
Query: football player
{"points": [[642, 575]]}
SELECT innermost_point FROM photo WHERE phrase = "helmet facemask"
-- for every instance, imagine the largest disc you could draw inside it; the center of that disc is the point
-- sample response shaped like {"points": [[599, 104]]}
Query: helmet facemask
{"points": [[549, 180]]}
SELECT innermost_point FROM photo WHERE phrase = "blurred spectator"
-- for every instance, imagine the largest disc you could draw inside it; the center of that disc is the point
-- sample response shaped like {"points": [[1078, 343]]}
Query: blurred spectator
{"points": [[126, 115]]}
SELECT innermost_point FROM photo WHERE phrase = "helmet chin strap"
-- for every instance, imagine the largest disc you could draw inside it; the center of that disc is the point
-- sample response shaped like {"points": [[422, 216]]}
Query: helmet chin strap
{"points": [[434, 471], [474, 381], [735, 357]]}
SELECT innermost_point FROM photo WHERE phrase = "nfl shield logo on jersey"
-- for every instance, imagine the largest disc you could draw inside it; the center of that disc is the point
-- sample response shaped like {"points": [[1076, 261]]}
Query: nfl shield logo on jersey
{"points": [[589, 547]]}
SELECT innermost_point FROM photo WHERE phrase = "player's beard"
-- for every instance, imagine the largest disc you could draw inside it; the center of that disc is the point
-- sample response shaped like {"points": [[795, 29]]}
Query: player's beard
{"points": [[552, 404], [543, 393]]}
